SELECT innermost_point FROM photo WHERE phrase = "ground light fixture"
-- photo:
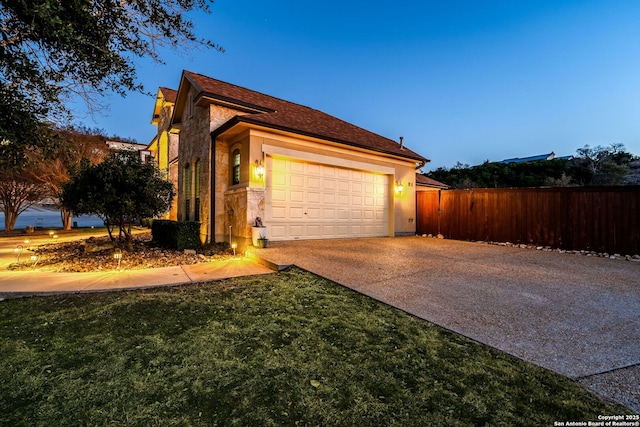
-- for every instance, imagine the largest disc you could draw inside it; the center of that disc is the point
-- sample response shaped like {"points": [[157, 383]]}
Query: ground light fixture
{"points": [[234, 246], [18, 250], [34, 260], [117, 254]]}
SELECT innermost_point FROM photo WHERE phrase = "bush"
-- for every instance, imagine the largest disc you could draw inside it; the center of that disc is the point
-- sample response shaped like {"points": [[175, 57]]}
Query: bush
{"points": [[176, 235], [146, 222]]}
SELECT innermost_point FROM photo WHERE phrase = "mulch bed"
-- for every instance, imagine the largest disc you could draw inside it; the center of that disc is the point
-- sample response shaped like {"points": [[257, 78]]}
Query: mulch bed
{"points": [[73, 256]]}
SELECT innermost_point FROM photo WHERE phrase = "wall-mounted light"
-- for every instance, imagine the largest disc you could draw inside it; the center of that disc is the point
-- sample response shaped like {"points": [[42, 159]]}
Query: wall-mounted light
{"points": [[399, 187], [259, 169]]}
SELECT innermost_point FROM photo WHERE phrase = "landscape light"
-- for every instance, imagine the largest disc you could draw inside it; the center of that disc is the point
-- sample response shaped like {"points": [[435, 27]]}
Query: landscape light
{"points": [[34, 260], [117, 254], [234, 246], [18, 250]]}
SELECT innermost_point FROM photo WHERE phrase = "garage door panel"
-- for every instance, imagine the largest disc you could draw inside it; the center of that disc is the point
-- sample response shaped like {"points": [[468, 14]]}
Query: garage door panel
{"points": [[279, 212], [296, 196], [314, 197], [279, 195], [312, 201], [329, 198]]}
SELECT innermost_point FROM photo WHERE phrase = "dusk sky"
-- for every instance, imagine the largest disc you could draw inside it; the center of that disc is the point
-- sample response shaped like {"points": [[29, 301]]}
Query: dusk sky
{"points": [[464, 81]]}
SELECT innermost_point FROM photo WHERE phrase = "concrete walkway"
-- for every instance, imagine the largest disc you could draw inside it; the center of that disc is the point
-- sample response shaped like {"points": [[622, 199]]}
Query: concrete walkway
{"points": [[20, 283], [576, 315]]}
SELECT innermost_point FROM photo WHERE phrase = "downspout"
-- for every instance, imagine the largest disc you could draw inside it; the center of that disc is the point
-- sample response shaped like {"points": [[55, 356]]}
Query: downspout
{"points": [[212, 192]]}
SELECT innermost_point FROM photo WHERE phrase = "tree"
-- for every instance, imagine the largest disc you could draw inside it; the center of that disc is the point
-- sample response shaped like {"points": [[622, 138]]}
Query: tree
{"points": [[55, 167], [501, 175], [17, 193], [54, 50], [120, 190], [601, 165]]}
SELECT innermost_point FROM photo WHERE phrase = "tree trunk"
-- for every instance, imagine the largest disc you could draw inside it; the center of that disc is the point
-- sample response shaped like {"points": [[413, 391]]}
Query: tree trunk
{"points": [[10, 217], [66, 217]]}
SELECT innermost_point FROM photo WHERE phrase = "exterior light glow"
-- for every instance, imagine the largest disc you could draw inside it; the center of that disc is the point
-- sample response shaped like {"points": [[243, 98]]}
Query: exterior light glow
{"points": [[259, 169], [399, 187], [234, 246], [34, 260]]}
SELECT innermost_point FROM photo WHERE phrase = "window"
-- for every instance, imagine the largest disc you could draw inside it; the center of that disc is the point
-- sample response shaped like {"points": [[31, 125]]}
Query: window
{"points": [[196, 213], [187, 191], [235, 170]]}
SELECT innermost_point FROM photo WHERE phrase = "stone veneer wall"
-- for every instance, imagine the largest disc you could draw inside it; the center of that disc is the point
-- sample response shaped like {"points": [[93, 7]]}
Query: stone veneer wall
{"points": [[242, 206], [195, 143]]}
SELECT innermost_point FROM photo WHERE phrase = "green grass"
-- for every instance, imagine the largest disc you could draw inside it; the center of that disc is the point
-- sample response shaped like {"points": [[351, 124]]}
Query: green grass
{"points": [[282, 349]]}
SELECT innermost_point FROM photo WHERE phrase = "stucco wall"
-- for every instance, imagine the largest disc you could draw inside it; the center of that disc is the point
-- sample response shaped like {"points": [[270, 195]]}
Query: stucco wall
{"points": [[402, 205]]}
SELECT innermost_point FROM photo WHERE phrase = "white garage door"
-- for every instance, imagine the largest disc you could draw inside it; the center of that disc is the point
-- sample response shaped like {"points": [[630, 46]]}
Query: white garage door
{"points": [[314, 201]]}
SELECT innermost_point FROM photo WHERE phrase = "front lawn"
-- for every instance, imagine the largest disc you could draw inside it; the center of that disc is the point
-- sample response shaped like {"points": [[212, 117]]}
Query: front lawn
{"points": [[281, 349]]}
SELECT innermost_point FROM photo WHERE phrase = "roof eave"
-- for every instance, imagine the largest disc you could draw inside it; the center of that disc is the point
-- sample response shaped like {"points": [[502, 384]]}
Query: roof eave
{"points": [[247, 119]]}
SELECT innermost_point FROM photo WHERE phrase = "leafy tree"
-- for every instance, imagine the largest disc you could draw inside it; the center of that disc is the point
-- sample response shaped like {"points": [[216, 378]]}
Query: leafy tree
{"points": [[17, 193], [601, 165], [54, 50], [55, 166], [501, 175], [120, 190]]}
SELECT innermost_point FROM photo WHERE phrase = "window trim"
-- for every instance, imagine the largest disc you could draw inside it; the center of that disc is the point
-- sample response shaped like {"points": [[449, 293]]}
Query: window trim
{"points": [[236, 166]]}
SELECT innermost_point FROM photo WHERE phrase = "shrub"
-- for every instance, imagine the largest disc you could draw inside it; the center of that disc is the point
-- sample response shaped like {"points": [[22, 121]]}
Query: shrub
{"points": [[176, 235]]}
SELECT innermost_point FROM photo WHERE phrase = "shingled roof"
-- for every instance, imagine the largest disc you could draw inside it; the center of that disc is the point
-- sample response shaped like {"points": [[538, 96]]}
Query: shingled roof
{"points": [[425, 181], [169, 94], [275, 113]]}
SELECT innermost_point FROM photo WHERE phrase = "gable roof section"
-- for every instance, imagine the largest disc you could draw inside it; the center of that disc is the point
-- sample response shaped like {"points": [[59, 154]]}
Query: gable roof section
{"points": [[275, 113], [164, 95]]}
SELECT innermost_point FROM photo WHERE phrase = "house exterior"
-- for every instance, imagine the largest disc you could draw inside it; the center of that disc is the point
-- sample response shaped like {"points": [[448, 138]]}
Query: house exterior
{"points": [[549, 156], [243, 154], [163, 148]]}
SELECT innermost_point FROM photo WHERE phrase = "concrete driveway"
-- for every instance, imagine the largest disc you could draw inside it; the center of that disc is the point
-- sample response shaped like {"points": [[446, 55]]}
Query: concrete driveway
{"points": [[576, 315]]}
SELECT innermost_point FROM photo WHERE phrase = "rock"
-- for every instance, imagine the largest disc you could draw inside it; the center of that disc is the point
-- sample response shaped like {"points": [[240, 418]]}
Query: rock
{"points": [[523, 246], [440, 236], [92, 247], [430, 235], [189, 251], [539, 248]]}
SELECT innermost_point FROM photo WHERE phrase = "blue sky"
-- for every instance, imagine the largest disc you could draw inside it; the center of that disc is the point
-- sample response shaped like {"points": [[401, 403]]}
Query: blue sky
{"points": [[464, 81]]}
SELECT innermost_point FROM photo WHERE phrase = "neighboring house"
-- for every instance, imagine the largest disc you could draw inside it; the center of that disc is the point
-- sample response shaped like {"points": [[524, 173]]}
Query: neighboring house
{"points": [[164, 146], [424, 183], [118, 146], [243, 154], [537, 158]]}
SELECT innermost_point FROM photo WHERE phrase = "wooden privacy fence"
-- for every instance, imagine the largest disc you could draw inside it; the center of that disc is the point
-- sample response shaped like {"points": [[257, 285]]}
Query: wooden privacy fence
{"points": [[602, 219]]}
